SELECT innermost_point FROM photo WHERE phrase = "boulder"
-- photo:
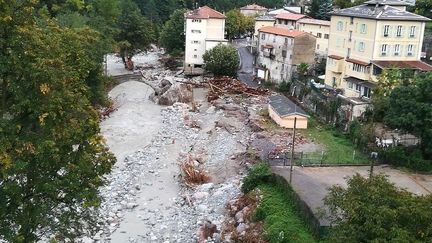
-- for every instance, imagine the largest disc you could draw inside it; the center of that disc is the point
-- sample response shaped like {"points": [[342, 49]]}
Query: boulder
{"points": [[177, 92]]}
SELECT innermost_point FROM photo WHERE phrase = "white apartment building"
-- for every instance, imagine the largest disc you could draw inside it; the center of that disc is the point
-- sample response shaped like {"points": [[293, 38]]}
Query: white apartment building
{"points": [[204, 29]]}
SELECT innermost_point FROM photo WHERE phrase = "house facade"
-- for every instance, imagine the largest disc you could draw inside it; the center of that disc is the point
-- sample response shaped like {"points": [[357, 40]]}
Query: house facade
{"points": [[253, 10], [204, 29], [289, 20], [280, 50], [320, 29], [367, 39]]}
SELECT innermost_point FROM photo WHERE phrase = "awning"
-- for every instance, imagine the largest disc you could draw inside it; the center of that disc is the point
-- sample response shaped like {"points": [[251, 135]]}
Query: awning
{"points": [[321, 77], [357, 62], [362, 82], [336, 57], [268, 46], [417, 65]]}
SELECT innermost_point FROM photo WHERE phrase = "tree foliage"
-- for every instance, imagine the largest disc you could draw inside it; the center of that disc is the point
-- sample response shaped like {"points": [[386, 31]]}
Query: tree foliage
{"points": [[172, 35], [375, 210], [222, 60], [136, 31], [237, 23], [52, 156], [410, 109]]}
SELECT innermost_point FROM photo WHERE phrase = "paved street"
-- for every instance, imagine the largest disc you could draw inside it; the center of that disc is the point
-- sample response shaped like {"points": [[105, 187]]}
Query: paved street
{"points": [[245, 72]]}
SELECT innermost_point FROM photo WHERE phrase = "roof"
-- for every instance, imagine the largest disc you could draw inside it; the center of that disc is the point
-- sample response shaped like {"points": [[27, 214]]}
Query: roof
{"points": [[204, 13], [253, 7], [285, 107], [265, 18], [314, 21], [379, 12], [281, 31], [390, 2], [268, 46], [291, 16], [336, 57], [357, 62], [418, 65]]}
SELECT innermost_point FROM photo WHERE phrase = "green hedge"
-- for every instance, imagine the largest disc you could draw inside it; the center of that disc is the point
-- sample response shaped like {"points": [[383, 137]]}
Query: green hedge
{"points": [[408, 157]]}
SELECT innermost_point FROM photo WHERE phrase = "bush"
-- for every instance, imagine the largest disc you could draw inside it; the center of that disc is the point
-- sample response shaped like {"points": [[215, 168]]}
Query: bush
{"points": [[284, 87], [410, 158], [260, 173], [222, 60]]}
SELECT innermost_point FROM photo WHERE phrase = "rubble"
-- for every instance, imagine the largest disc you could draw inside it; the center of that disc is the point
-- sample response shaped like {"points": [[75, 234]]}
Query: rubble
{"points": [[225, 85]]}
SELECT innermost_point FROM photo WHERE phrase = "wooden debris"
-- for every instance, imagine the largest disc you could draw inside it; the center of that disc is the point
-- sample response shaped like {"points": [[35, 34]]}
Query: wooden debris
{"points": [[191, 174], [226, 85]]}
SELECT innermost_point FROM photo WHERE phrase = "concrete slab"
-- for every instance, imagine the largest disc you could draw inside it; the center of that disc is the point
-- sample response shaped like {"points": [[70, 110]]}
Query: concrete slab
{"points": [[312, 183]]}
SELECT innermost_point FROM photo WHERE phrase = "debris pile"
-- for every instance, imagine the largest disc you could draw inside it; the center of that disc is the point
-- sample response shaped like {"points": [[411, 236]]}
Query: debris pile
{"points": [[191, 173], [225, 85], [239, 225]]}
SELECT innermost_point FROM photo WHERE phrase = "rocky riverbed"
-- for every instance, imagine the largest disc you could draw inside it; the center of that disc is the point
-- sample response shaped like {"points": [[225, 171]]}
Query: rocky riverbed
{"points": [[146, 199]]}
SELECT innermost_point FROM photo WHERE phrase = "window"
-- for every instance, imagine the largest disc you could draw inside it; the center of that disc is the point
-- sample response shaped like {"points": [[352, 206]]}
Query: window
{"points": [[283, 67], [359, 68], [351, 20], [195, 42], [412, 31], [262, 36], [384, 49], [196, 20], [326, 36], [279, 21], [350, 35], [338, 42], [196, 31], [286, 41], [396, 49], [339, 25], [366, 92], [399, 31], [195, 56], [386, 30], [333, 82], [195, 49], [274, 38], [361, 46], [317, 46], [358, 87], [319, 35], [348, 52], [350, 85], [410, 50], [363, 28]]}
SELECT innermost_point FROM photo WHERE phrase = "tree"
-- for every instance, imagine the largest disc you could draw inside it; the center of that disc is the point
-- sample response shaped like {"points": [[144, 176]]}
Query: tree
{"points": [[326, 7], [422, 7], [314, 8], [375, 210], [234, 23], [172, 36], [52, 157], [410, 109], [136, 31], [222, 60]]}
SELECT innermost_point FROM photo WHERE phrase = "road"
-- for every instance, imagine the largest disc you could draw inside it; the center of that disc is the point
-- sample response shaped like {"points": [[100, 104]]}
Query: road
{"points": [[245, 73]]}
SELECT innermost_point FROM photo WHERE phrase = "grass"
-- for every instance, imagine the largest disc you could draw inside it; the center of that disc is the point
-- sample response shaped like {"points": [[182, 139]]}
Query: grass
{"points": [[281, 220], [338, 148]]}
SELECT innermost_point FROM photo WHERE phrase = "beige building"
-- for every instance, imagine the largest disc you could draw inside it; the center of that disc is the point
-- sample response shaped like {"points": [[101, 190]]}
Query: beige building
{"points": [[365, 40], [289, 20], [263, 21], [204, 29], [253, 10], [320, 29], [284, 112], [280, 50]]}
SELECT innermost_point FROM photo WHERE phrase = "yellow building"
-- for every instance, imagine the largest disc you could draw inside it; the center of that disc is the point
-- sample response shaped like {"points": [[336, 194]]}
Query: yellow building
{"points": [[283, 111], [320, 29], [366, 39]]}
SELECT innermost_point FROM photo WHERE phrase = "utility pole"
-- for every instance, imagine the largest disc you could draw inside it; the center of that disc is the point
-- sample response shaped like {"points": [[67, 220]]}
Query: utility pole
{"points": [[292, 149]]}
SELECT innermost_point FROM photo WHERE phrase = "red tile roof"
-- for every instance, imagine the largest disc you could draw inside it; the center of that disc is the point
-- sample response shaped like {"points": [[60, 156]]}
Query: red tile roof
{"points": [[204, 13], [419, 65], [268, 46], [336, 57], [253, 7], [281, 31], [357, 62], [291, 16]]}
